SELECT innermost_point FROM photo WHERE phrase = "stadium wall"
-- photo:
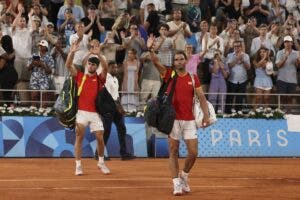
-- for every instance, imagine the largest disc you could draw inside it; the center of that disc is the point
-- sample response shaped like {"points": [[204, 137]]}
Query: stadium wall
{"points": [[45, 137]]}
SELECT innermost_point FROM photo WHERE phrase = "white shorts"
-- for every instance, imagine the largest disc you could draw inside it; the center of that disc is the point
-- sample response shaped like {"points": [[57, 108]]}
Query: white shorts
{"points": [[184, 129], [89, 118]]}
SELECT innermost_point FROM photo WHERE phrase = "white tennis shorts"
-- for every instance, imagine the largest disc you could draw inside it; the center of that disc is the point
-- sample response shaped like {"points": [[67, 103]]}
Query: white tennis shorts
{"points": [[89, 118], [184, 129]]}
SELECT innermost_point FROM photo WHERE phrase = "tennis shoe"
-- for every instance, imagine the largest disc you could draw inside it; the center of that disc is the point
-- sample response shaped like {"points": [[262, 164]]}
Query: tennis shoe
{"points": [[78, 170], [103, 168], [184, 184], [177, 187]]}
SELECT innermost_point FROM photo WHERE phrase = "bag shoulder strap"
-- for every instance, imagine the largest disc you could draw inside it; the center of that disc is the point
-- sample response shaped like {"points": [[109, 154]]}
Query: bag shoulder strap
{"points": [[170, 96], [193, 81], [164, 85], [81, 85]]}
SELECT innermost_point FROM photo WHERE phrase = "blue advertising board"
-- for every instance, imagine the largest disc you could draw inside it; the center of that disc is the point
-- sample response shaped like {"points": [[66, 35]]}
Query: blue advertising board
{"points": [[45, 137]]}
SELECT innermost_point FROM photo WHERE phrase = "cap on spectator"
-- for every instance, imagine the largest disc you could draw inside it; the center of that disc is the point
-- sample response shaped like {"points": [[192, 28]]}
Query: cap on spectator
{"points": [[36, 18], [68, 10], [94, 60], [49, 24], [92, 7], [44, 43], [288, 38]]}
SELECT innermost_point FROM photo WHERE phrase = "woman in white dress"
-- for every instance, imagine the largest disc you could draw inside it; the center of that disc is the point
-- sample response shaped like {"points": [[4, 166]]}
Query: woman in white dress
{"points": [[130, 88]]}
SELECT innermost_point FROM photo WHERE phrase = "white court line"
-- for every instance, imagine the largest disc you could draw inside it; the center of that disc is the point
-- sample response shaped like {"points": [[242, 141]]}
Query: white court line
{"points": [[122, 187], [136, 179]]}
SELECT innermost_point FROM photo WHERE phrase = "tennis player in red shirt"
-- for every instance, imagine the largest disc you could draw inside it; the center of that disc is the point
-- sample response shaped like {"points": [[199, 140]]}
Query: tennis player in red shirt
{"points": [[88, 85], [184, 125]]}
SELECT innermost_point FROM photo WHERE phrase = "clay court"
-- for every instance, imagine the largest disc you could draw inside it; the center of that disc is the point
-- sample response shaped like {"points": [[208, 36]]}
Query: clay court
{"points": [[211, 178]]}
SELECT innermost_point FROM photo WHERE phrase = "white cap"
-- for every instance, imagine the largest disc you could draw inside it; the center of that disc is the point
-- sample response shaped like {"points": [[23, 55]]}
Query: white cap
{"points": [[36, 18], [49, 24], [44, 43], [288, 38], [269, 68]]}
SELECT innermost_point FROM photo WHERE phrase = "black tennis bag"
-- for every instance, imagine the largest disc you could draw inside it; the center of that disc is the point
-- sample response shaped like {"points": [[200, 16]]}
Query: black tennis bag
{"points": [[160, 112], [153, 106], [66, 104], [104, 102]]}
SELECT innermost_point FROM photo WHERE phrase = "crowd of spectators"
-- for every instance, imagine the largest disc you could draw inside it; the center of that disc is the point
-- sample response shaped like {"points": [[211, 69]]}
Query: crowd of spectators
{"points": [[234, 46]]}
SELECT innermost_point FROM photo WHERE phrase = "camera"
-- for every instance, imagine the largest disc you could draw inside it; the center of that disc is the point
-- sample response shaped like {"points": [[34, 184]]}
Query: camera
{"points": [[36, 57]]}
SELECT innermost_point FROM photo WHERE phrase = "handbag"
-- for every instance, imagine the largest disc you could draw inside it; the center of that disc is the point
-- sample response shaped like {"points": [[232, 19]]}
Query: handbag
{"points": [[104, 102], [166, 115], [197, 110], [153, 105]]}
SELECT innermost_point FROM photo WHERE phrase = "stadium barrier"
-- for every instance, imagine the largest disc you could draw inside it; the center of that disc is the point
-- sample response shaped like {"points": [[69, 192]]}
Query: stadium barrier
{"points": [[22, 136]]}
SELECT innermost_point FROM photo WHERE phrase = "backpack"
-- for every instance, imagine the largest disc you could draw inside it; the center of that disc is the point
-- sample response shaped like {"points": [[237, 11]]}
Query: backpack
{"points": [[66, 106]]}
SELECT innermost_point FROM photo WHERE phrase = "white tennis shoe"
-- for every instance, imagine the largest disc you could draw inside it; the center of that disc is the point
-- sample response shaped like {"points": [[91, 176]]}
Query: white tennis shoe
{"points": [[177, 187], [78, 170], [184, 184], [103, 168]]}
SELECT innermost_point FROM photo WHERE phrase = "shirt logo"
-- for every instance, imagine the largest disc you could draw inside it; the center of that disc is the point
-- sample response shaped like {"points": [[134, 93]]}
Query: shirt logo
{"points": [[190, 83], [94, 80]]}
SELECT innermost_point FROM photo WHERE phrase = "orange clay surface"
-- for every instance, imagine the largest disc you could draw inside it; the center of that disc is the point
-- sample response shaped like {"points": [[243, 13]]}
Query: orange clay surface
{"points": [[142, 178]]}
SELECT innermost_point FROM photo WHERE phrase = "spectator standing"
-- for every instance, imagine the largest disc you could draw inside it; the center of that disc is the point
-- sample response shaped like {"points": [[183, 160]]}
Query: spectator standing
{"points": [[130, 86], [193, 60], [263, 83], [67, 27], [151, 24], [41, 65], [77, 11], [261, 40], [59, 55], [210, 44], [259, 11], [150, 79], [109, 47], [287, 61], [54, 7], [204, 27], [83, 41], [8, 73], [22, 40], [238, 63], [217, 87], [164, 46], [250, 33], [108, 13], [116, 117], [134, 41], [179, 30], [92, 23], [143, 8]]}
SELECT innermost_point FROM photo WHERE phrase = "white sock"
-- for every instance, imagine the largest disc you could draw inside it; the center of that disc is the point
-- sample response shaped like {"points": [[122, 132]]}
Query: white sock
{"points": [[101, 159], [184, 174], [78, 162]]}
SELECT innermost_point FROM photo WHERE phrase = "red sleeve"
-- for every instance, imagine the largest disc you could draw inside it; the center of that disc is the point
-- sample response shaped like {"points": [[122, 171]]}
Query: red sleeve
{"points": [[197, 81]]}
